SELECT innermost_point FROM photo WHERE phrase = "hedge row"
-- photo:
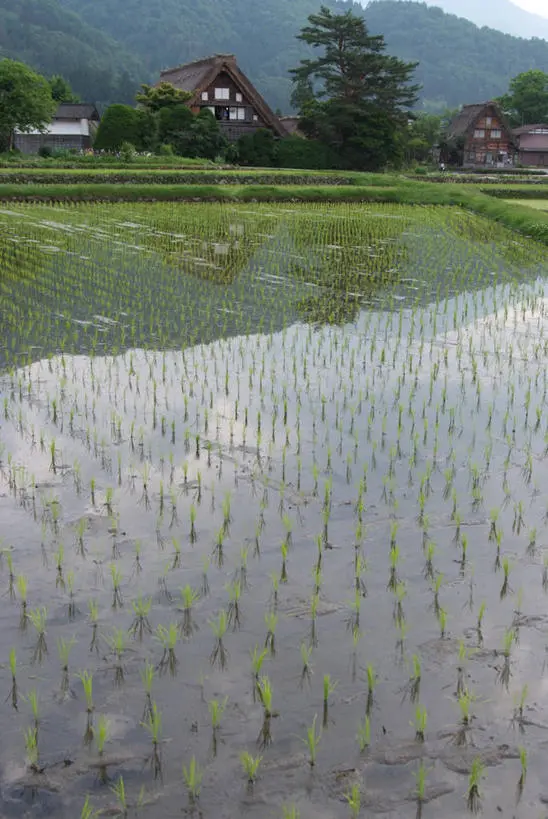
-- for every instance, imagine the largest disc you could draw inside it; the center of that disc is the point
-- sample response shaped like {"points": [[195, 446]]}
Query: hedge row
{"points": [[159, 178]]}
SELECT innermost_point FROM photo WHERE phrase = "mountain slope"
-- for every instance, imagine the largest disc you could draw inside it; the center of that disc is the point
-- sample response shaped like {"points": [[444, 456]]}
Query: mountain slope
{"points": [[500, 14], [54, 40], [458, 62]]}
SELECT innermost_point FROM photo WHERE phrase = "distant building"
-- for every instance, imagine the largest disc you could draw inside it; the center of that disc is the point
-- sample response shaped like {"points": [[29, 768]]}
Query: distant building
{"points": [[218, 84], [291, 125], [72, 128], [532, 143], [479, 137]]}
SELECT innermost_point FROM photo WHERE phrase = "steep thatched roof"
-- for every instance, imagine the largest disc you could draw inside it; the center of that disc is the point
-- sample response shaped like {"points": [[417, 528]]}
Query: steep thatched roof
{"points": [[199, 75], [466, 119]]}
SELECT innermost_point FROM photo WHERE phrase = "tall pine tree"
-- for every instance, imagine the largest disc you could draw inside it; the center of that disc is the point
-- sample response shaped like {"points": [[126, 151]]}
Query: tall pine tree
{"points": [[354, 97]]}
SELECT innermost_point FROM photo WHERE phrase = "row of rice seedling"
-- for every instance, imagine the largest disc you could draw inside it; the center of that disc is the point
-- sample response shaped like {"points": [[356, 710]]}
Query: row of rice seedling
{"points": [[272, 500]]}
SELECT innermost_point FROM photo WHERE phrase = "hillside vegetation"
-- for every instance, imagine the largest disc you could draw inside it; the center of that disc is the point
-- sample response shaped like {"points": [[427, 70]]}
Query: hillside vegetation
{"points": [[105, 48], [54, 40]]}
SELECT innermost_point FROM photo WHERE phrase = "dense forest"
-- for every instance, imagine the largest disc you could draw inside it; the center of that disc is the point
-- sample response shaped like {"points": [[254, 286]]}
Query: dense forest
{"points": [[501, 14], [458, 62], [54, 40]]}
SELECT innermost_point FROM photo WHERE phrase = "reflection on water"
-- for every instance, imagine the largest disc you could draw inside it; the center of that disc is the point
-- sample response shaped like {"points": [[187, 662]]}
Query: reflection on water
{"points": [[361, 485]]}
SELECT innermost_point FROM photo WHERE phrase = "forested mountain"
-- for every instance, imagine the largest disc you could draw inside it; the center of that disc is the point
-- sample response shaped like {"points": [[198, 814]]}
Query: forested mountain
{"points": [[500, 14], [54, 40], [458, 62]]}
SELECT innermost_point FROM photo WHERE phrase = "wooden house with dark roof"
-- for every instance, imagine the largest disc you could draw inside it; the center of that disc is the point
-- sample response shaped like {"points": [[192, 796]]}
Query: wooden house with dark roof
{"points": [[72, 129], [218, 84], [479, 136], [532, 143]]}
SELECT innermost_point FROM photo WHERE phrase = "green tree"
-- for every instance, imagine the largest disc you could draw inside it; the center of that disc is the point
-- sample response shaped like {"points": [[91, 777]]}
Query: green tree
{"points": [[174, 122], [122, 123], [61, 90], [360, 95], [25, 100], [423, 134], [163, 95], [527, 99]]}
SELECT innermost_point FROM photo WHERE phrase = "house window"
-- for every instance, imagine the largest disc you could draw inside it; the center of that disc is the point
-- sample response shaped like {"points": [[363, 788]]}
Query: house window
{"points": [[237, 113], [488, 121], [255, 118], [211, 108], [479, 133], [222, 93], [239, 97], [205, 96], [471, 156], [496, 133]]}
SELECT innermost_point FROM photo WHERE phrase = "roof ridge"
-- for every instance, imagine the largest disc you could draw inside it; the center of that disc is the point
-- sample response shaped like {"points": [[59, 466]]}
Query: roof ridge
{"points": [[203, 60]]}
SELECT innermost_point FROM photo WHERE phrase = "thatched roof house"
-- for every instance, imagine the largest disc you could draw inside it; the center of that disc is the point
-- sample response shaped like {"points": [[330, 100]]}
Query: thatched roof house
{"points": [[217, 83], [479, 136]]}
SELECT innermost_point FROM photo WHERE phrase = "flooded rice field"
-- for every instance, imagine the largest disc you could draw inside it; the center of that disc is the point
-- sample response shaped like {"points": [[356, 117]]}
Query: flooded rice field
{"points": [[273, 515]]}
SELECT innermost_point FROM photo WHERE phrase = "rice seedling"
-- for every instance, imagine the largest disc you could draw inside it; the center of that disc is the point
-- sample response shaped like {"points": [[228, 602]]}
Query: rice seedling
{"points": [[87, 810], [420, 778], [116, 577], [22, 586], [13, 693], [153, 726], [219, 655], [313, 737], [329, 687], [271, 621], [216, 711], [234, 611], [87, 682], [93, 617], [187, 624], [307, 670], [32, 699], [290, 812], [473, 794], [119, 791], [31, 748], [264, 691], [505, 671], [193, 776], [117, 645], [353, 797], [420, 723], [364, 734], [519, 709], [168, 639], [505, 588], [141, 625], [250, 766], [371, 684], [523, 774], [38, 618], [147, 678], [64, 648]]}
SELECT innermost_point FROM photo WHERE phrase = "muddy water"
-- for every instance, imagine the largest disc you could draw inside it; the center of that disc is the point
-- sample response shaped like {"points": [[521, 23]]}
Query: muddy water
{"points": [[430, 406]]}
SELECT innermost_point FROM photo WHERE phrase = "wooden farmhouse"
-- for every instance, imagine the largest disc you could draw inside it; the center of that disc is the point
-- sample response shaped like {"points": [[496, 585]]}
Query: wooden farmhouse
{"points": [[479, 137], [532, 143], [218, 84], [71, 129]]}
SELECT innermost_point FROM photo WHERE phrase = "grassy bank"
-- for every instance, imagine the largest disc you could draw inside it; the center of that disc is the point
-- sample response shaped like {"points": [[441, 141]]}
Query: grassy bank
{"points": [[520, 218]]}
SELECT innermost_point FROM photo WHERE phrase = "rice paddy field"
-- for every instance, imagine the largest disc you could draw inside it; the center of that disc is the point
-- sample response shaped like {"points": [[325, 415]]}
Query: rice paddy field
{"points": [[273, 532]]}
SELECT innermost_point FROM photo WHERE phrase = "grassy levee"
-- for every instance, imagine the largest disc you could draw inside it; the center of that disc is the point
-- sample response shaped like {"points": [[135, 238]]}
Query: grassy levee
{"points": [[385, 188]]}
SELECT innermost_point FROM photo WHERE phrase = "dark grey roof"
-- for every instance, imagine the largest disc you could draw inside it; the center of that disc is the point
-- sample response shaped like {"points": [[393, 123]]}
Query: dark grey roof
{"points": [[77, 110], [525, 129]]}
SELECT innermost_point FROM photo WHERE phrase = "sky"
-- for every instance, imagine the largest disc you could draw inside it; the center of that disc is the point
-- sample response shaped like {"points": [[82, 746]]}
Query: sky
{"points": [[536, 6]]}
